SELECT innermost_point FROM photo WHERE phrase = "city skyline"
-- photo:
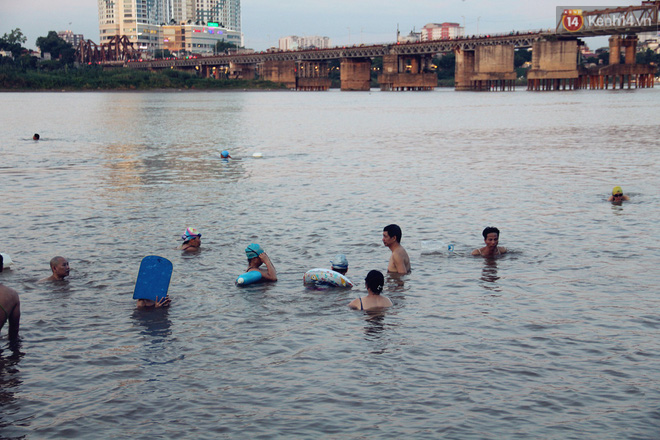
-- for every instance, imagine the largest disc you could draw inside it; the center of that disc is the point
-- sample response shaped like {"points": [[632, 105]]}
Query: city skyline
{"points": [[344, 22]]}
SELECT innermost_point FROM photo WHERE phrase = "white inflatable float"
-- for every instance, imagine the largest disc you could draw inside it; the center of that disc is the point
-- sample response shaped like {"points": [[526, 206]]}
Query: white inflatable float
{"points": [[6, 261], [326, 276]]}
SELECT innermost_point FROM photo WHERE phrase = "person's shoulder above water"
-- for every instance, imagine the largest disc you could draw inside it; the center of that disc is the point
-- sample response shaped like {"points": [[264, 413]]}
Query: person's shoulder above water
{"points": [[617, 195], [374, 283], [399, 260]]}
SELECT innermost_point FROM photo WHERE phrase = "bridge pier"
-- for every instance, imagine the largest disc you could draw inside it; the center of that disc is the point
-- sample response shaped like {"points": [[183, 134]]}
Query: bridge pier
{"points": [[242, 71], [281, 72], [355, 74], [485, 68], [554, 66], [407, 72], [624, 75], [312, 76]]}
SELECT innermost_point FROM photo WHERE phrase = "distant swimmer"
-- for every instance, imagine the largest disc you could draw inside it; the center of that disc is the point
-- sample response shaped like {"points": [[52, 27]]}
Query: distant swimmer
{"points": [[617, 195], [374, 300], [225, 154], [35, 137], [256, 257], [399, 261], [192, 240], [60, 268], [491, 238], [10, 310]]}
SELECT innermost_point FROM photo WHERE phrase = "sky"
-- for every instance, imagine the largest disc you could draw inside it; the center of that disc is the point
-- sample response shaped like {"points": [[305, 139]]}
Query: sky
{"points": [[346, 22]]}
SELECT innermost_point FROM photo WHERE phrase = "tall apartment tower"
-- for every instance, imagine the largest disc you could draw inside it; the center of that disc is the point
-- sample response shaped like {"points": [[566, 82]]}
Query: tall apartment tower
{"points": [[142, 20]]}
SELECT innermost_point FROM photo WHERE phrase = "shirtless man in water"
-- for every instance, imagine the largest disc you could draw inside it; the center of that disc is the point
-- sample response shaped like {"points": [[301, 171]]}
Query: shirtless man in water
{"points": [[399, 261], [60, 268], [10, 310], [491, 238]]}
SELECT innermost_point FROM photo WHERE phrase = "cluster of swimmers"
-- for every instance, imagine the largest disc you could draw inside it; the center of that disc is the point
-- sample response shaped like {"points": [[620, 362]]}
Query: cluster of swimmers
{"points": [[258, 260]]}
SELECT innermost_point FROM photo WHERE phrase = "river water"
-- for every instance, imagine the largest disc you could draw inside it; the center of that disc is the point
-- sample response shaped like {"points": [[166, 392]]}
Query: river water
{"points": [[556, 340]]}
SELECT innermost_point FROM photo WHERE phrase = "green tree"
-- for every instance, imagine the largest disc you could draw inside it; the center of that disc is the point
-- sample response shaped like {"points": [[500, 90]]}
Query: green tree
{"points": [[13, 42], [222, 46], [162, 53], [57, 47]]}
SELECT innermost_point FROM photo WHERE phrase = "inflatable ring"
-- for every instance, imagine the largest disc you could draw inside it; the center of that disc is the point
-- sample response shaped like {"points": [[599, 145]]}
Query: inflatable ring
{"points": [[327, 277]]}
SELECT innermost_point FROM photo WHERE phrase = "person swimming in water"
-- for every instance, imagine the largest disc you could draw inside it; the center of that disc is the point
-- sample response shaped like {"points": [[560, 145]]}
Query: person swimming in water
{"points": [[399, 260], [256, 257], [60, 268], [10, 310], [491, 238], [374, 282], [192, 240], [617, 195], [339, 264]]}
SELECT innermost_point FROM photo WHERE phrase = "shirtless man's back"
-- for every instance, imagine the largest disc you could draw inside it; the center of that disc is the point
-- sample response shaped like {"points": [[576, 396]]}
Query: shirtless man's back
{"points": [[10, 310]]}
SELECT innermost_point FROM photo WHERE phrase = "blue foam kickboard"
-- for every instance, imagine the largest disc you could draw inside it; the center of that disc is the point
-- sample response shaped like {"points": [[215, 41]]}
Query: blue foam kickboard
{"points": [[153, 278]]}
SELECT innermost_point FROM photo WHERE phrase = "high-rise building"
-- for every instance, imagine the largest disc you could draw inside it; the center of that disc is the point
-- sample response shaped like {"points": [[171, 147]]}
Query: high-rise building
{"points": [[442, 31], [70, 37], [294, 42], [142, 21]]}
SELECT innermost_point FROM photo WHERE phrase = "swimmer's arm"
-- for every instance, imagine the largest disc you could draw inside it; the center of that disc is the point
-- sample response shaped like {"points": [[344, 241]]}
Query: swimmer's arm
{"points": [[14, 321], [354, 304], [502, 250], [270, 273], [611, 199], [625, 198], [476, 252]]}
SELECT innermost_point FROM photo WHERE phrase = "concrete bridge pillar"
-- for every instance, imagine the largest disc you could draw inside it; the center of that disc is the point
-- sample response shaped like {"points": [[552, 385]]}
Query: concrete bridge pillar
{"points": [[312, 76], [630, 45], [554, 66], [355, 74], [485, 68], [615, 49], [281, 72], [407, 72], [242, 71]]}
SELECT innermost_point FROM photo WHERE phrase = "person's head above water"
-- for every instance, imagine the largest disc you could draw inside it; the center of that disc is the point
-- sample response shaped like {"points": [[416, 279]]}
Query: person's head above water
{"points": [[340, 264], [60, 267], [253, 251], [617, 192], [225, 154], [375, 281], [490, 230], [35, 137], [191, 237], [393, 231]]}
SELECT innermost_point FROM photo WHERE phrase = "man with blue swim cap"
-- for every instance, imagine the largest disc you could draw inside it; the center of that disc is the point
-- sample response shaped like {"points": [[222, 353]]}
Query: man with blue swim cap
{"points": [[256, 257], [225, 154]]}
